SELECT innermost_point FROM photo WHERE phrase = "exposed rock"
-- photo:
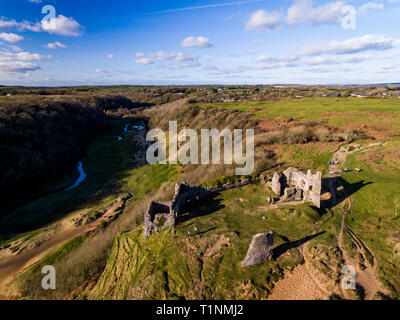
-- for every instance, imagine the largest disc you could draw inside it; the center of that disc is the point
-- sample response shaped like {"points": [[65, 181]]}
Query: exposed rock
{"points": [[260, 249]]}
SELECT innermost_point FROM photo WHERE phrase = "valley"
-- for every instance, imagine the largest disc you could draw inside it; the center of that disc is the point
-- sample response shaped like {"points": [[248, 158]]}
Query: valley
{"points": [[91, 227]]}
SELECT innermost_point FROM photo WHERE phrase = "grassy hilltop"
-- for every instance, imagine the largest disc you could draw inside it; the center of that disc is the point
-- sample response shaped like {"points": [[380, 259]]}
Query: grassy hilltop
{"points": [[93, 234]]}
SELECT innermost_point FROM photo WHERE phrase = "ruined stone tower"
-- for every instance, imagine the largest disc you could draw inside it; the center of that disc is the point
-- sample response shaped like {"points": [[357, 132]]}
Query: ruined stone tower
{"points": [[295, 185]]}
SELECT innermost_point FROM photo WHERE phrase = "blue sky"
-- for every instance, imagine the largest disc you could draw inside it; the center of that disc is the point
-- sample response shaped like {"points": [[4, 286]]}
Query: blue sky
{"points": [[199, 42]]}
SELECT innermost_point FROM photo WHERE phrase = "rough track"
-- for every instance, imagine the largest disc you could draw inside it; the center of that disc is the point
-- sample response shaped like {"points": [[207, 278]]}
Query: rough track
{"points": [[365, 275]]}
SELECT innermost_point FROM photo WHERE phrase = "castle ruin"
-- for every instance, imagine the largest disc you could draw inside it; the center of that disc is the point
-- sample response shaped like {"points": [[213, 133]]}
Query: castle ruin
{"points": [[161, 215], [293, 184]]}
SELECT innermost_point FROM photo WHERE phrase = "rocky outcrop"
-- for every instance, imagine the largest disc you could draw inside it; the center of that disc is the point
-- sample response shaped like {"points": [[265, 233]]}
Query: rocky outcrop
{"points": [[260, 250]]}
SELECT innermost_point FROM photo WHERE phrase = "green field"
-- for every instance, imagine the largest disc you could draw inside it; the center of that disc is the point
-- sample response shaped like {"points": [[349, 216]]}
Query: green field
{"points": [[335, 111]]}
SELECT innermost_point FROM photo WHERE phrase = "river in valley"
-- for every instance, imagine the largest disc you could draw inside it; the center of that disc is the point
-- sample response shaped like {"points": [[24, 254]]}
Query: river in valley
{"points": [[81, 178]]}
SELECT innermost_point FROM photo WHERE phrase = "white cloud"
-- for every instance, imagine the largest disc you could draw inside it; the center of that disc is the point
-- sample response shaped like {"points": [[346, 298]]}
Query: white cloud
{"points": [[145, 61], [371, 6], [15, 48], [18, 67], [337, 60], [196, 42], [110, 56], [278, 59], [267, 62], [20, 62], [139, 54], [163, 55], [353, 45], [20, 26], [227, 71], [35, 1], [329, 70], [21, 56], [262, 20], [55, 45], [10, 37], [303, 11], [190, 64], [275, 65], [62, 26], [172, 56], [7, 23]]}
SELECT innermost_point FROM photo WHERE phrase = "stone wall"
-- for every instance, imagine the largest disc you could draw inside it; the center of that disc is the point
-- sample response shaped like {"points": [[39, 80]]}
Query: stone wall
{"points": [[295, 185], [154, 216], [185, 194], [310, 184], [168, 212], [260, 249], [161, 215], [277, 184]]}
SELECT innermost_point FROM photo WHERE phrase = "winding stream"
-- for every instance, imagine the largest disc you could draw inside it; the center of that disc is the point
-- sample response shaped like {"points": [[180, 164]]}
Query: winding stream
{"points": [[82, 174], [81, 178]]}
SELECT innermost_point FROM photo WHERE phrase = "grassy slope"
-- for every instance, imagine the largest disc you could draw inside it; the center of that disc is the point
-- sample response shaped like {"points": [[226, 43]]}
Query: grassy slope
{"points": [[109, 173], [168, 265], [314, 156]]}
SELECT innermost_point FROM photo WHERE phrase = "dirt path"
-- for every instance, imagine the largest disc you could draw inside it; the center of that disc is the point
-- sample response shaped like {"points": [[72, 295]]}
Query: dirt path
{"points": [[365, 276], [365, 273], [11, 265], [299, 284], [209, 253]]}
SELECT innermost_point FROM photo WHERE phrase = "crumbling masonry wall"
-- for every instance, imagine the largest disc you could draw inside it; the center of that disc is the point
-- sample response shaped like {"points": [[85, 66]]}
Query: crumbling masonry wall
{"points": [[260, 249], [185, 194], [163, 215], [157, 217], [295, 185]]}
